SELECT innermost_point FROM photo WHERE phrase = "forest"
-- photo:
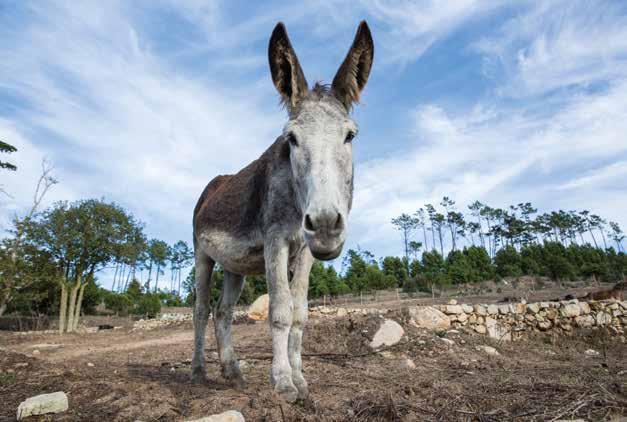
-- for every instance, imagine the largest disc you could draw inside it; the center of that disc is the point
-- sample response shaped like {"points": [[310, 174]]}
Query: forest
{"points": [[51, 260]]}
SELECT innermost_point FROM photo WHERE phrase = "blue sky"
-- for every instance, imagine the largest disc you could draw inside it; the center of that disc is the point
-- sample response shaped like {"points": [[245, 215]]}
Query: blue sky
{"points": [[144, 102]]}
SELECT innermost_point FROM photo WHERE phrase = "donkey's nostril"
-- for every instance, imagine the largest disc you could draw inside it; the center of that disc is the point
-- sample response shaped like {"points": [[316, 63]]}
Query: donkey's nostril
{"points": [[309, 224], [339, 222]]}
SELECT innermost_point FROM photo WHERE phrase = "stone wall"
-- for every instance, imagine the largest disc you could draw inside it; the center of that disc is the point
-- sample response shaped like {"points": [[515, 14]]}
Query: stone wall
{"points": [[508, 321], [505, 321]]}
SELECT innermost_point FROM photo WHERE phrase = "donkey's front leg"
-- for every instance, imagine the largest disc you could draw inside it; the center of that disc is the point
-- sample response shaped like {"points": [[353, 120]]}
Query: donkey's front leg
{"points": [[300, 286], [276, 253]]}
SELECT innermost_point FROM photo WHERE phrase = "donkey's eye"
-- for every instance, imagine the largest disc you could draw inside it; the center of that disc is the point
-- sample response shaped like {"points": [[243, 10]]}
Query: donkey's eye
{"points": [[292, 139], [349, 137]]}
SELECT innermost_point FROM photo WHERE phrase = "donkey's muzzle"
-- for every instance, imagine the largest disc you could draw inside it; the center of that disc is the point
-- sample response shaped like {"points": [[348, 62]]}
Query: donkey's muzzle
{"points": [[324, 233], [327, 256]]}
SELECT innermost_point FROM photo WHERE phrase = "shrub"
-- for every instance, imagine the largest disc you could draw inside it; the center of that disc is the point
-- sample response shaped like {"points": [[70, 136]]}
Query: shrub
{"points": [[119, 303], [148, 305]]}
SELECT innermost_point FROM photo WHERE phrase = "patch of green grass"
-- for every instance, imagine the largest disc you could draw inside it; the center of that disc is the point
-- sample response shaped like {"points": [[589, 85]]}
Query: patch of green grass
{"points": [[7, 378]]}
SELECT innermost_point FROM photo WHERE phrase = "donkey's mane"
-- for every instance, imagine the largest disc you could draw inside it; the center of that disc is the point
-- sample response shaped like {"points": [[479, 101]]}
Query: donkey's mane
{"points": [[320, 90]]}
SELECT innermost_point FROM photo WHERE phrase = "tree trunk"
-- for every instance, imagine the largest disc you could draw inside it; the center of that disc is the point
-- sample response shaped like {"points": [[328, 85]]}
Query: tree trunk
{"points": [[149, 275], [115, 274], [593, 239], [63, 308], [70, 316], [77, 311], [6, 297], [179, 287], [604, 241], [157, 277], [424, 233]]}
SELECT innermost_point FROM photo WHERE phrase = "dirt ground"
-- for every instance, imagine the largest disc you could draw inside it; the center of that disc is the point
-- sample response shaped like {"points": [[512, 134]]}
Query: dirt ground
{"points": [[124, 375]]}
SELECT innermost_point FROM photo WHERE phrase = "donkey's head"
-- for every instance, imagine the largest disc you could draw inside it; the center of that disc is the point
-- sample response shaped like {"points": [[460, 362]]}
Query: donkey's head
{"points": [[319, 135]]}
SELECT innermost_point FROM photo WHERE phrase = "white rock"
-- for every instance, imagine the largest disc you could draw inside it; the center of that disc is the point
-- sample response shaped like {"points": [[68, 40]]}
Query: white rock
{"points": [[447, 341], [429, 318], [602, 319], [43, 404], [488, 350], [493, 309], [584, 307], [481, 329], [258, 310], [228, 416], [591, 352], [462, 317], [533, 308], [497, 331], [570, 310], [91, 365], [452, 302], [454, 309], [388, 334], [467, 308], [35, 352], [341, 312], [480, 310]]}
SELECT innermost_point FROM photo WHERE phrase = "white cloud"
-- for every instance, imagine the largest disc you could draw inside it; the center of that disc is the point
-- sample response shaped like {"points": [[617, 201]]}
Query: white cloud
{"points": [[119, 122], [502, 159], [558, 44]]}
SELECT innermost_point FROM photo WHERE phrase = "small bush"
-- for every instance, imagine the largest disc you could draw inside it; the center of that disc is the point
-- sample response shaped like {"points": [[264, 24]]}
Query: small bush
{"points": [[119, 303], [148, 306]]}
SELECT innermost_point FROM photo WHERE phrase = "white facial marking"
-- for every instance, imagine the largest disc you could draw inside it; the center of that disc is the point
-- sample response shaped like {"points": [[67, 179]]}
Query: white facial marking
{"points": [[322, 165]]}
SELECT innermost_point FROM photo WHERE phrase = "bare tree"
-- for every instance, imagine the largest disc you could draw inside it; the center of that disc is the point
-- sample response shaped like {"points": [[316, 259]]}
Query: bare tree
{"points": [[12, 280]]}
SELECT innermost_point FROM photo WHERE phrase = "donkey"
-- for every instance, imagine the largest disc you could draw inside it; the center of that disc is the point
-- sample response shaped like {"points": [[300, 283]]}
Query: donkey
{"points": [[280, 212]]}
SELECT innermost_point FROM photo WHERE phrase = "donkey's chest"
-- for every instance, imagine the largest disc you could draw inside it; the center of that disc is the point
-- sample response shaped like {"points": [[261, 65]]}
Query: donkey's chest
{"points": [[237, 254]]}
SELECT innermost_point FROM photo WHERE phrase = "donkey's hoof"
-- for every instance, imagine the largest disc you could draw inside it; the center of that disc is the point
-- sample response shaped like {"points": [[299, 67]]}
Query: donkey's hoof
{"points": [[303, 391], [301, 386], [237, 382], [286, 391], [234, 376], [199, 377]]}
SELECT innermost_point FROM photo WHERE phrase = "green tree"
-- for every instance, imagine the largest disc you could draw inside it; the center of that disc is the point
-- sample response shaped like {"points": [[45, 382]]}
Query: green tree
{"points": [[158, 252], [81, 238], [507, 262], [396, 268], [406, 224], [458, 268], [481, 267], [434, 271]]}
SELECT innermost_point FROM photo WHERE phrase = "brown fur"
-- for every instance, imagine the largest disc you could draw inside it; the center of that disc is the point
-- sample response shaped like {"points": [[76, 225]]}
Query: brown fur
{"points": [[236, 202]]}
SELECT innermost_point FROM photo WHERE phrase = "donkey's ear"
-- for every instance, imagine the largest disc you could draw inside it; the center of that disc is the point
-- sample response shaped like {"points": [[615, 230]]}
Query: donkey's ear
{"points": [[353, 74], [287, 74]]}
